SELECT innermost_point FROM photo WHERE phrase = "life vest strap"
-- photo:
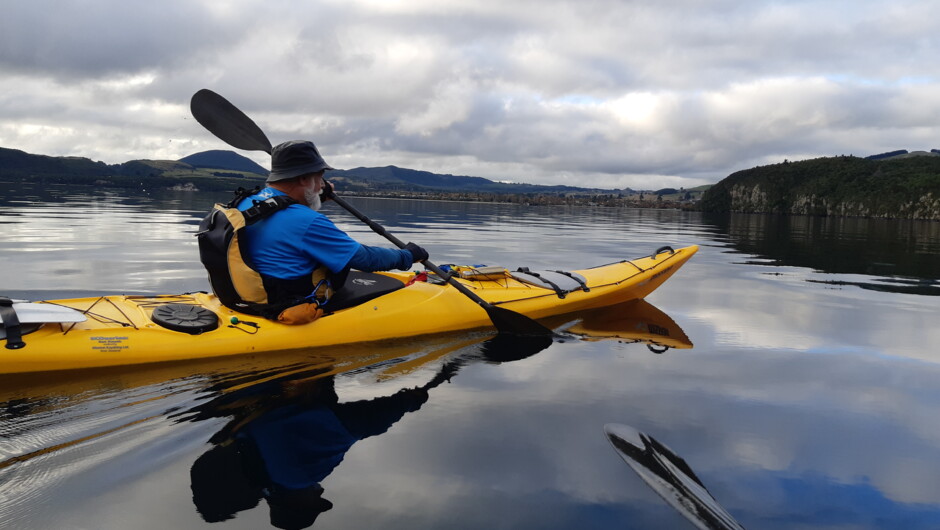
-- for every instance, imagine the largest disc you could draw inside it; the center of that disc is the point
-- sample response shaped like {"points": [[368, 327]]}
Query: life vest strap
{"points": [[263, 209]]}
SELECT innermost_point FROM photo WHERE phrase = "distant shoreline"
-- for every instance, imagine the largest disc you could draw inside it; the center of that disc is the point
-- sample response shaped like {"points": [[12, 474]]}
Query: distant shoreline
{"points": [[224, 185], [694, 206]]}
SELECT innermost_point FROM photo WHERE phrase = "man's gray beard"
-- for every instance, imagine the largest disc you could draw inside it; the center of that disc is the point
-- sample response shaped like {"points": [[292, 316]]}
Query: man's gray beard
{"points": [[312, 198]]}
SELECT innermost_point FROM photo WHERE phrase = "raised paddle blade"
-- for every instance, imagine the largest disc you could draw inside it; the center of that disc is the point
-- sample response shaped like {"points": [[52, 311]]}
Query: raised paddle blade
{"points": [[227, 122]]}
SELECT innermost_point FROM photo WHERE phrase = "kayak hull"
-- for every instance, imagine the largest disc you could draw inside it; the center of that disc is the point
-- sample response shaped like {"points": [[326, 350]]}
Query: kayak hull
{"points": [[119, 330]]}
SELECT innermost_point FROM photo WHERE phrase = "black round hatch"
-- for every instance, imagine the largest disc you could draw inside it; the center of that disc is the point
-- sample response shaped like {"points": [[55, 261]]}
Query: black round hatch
{"points": [[186, 318]]}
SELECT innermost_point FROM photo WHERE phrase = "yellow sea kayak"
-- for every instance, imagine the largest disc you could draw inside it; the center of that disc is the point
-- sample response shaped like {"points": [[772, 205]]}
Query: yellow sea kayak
{"points": [[126, 330]]}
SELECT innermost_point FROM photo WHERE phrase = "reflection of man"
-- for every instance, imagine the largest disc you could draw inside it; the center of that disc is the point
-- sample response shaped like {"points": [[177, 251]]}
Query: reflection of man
{"points": [[287, 435], [284, 450]]}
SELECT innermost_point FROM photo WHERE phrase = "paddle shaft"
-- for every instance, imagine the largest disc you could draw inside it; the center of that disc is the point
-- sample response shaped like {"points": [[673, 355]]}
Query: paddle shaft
{"points": [[380, 230]]}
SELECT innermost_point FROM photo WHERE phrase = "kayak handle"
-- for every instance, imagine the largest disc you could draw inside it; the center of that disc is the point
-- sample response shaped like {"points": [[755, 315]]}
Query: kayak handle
{"points": [[660, 250]]}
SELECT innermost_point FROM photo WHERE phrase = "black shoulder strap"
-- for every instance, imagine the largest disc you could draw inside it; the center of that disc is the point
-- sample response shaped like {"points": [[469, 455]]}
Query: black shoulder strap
{"points": [[242, 194], [267, 207]]}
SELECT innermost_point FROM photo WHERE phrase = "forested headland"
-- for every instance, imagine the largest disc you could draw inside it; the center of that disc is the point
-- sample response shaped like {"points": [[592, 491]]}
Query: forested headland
{"points": [[904, 185]]}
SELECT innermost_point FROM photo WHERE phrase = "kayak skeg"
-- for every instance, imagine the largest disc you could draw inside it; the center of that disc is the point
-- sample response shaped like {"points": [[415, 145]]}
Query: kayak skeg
{"points": [[131, 329]]}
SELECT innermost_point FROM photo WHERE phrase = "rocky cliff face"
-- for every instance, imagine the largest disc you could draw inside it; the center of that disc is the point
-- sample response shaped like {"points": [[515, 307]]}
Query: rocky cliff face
{"points": [[753, 199], [843, 186], [923, 207]]}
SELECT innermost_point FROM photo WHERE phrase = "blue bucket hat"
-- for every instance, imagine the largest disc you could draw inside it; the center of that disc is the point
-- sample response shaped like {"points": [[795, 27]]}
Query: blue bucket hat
{"points": [[295, 158]]}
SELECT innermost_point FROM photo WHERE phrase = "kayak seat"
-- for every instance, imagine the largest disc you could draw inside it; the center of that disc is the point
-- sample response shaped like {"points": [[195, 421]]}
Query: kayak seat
{"points": [[360, 287]]}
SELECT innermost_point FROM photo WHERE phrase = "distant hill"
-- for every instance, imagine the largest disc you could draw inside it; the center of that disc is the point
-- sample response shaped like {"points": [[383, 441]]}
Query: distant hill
{"points": [[394, 174], [16, 165], [902, 185], [20, 164], [226, 170], [149, 168], [395, 178], [903, 153], [218, 159]]}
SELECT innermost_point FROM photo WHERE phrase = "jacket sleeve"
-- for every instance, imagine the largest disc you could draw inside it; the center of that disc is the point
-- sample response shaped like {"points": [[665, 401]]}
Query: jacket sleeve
{"points": [[370, 259]]}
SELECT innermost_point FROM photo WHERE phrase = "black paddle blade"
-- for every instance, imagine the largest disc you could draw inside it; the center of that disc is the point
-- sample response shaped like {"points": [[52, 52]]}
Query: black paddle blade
{"points": [[227, 122], [513, 323]]}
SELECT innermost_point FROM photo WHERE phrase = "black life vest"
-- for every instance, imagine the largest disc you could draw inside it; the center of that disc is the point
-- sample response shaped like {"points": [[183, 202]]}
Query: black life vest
{"points": [[233, 278]]}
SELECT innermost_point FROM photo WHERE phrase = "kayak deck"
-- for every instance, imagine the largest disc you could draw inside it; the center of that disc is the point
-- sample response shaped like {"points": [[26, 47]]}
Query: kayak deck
{"points": [[121, 330]]}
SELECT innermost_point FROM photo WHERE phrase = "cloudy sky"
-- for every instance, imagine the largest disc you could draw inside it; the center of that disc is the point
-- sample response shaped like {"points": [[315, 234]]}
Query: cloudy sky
{"points": [[606, 93]]}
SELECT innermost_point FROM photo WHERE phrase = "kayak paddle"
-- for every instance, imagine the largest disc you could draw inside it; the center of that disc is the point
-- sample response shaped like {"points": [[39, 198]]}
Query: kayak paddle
{"points": [[506, 321], [235, 128], [227, 122]]}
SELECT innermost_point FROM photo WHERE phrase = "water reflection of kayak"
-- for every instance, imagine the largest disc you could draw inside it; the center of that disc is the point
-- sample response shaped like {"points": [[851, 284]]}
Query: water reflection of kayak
{"points": [[382, 360], [633, 321], [377, 363], [123, 330]]}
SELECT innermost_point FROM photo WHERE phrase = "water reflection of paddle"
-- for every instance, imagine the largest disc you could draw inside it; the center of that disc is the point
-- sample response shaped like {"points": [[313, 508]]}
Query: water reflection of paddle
{"points": [[289, 433], [669, 476]]}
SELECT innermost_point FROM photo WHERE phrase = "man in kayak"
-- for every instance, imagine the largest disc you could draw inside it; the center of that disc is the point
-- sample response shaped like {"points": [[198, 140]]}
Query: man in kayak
{"points": [[297, 242]]}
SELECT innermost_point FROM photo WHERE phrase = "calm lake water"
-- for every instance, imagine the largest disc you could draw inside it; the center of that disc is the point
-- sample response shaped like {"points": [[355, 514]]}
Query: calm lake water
{"points": [[808, 399]]}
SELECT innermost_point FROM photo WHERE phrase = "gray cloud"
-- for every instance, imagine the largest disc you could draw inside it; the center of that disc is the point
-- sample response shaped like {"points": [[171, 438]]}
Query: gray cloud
{"points": [[98, 39], [598, 92]]}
